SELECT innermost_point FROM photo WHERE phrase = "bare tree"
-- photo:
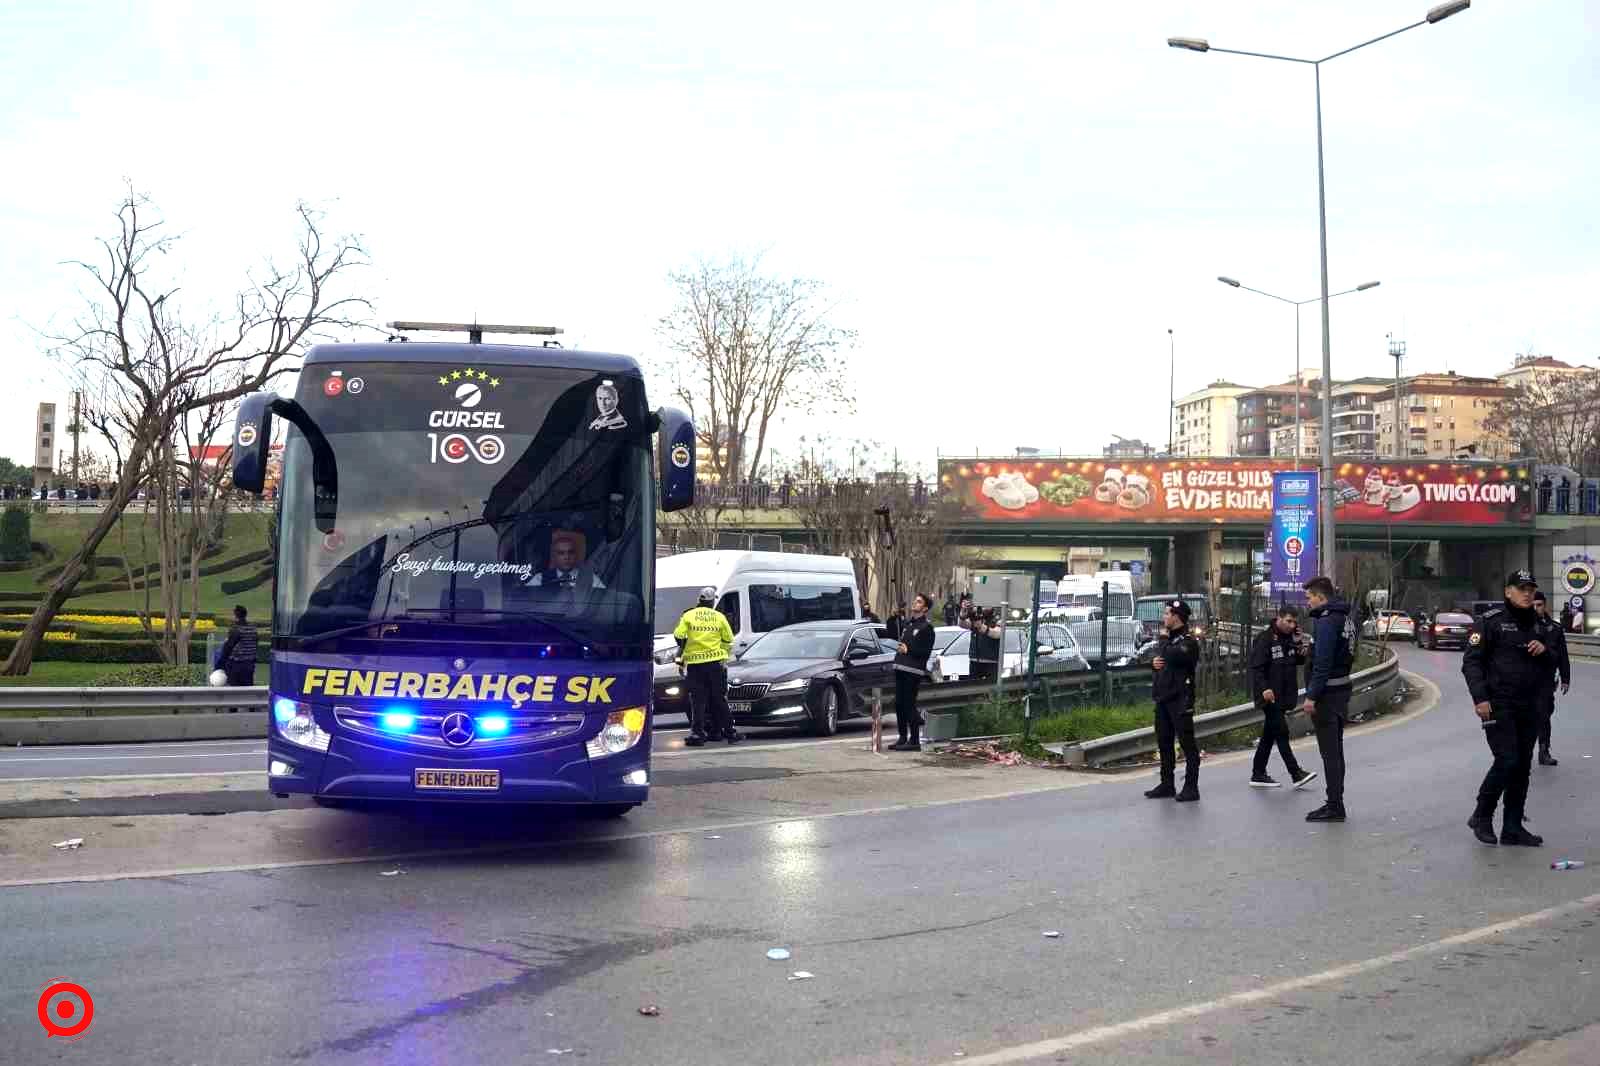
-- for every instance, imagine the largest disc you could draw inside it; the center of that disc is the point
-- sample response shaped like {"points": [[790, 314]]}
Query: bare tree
{"points": [[1553, 415], [135, 349], [746, 346]]}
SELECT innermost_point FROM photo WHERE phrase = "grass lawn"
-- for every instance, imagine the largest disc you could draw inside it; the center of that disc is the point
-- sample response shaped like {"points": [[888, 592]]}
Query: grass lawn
{"points": [[84, 673], [65, 532]]}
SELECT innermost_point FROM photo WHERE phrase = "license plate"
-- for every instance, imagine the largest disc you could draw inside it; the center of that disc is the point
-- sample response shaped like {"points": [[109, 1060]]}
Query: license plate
{"points": [[741, 707], [457, 780]]}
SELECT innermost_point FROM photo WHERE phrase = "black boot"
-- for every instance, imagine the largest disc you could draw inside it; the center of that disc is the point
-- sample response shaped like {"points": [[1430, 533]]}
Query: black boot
{"points": [[1190, 793], [1482, 826], [1546, 759], [733, 736], [1519, 835], [1161, 791], [1328, 812], [695, 740]]}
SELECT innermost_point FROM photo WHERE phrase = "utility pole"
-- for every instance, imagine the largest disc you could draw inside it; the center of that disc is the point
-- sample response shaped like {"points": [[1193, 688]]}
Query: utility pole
{"points": [[1172, 380], [1397, 349]]}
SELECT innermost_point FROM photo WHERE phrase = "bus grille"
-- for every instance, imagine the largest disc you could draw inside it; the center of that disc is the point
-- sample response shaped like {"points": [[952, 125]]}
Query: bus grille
{"points": [[521, 730]]}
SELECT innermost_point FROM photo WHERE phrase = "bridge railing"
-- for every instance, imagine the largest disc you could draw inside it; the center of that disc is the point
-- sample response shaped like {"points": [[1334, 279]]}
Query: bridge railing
{"points": [[785, 494]]}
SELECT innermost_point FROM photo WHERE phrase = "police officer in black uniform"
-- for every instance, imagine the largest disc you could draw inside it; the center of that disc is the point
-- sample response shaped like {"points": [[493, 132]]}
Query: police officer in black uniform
{"points": [[1505, 664], [1556, 640], [1172, 687]]}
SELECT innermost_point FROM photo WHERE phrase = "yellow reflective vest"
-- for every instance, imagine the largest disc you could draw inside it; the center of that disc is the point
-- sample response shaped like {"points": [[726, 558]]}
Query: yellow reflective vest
{"points": [[705, 634]]}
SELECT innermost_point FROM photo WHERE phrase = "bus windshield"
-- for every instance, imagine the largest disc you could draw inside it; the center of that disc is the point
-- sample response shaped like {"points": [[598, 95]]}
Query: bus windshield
{"points": [[516, 502]]}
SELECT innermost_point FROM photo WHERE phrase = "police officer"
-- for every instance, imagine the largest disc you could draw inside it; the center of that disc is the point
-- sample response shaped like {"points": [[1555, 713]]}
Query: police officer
{"points": [[1172, 688], [1276, 656], [910, 667], [1505, 664], [1556, 641], [1328, 688], [704, 639]]}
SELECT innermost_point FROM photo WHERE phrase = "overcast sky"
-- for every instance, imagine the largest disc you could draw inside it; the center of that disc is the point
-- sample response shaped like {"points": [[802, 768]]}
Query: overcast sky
{"points": [[1012, 203]]}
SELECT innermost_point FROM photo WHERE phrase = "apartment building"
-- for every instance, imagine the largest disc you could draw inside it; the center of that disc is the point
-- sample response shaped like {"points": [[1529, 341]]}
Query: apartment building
{"points": [[1207, 421], [1440, 416]]}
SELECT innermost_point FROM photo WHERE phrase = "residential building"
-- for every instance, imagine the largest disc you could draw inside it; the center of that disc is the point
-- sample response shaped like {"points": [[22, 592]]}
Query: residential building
{"points": [[1441, 416], [1526, 369], [1355, 430], [1207, 421], [44, 436], [1123, 448], [1261, 411], [1310, 439]]}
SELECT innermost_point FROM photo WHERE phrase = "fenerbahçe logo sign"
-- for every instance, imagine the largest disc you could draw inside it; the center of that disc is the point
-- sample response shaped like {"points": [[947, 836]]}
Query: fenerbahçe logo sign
{"points": [[1578, 574]]}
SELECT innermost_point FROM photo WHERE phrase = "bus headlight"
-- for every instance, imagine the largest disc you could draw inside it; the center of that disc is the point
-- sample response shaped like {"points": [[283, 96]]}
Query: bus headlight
{"points": [[621, 732], [296, 724]]}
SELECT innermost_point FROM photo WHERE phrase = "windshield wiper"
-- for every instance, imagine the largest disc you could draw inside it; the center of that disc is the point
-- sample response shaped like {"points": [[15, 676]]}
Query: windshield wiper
{"points": [[426, 613]]}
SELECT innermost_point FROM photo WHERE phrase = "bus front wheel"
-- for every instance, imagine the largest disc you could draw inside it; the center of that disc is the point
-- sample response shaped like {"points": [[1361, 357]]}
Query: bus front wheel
{"points": [[611, 810]]}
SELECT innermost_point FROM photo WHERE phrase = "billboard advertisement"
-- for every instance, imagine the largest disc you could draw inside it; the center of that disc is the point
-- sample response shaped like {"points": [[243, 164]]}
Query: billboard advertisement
{"points": [[1292, 535], [1232, 490]]}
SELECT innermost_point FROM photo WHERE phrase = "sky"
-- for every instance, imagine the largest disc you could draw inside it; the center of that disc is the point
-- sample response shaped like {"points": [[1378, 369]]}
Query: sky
{"points": [[1010, 204]]}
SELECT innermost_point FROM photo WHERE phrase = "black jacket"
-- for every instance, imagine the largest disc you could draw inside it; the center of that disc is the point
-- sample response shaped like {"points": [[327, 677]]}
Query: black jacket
{"points": [[1181, 653], [239, 649], [1275, 661], [918, 639], [1557, 639], [1497, 666], [1333, 651]]}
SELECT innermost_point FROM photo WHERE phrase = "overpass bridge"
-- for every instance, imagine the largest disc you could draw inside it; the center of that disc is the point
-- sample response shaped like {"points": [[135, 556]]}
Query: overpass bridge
{"points": [[1463, 524]]}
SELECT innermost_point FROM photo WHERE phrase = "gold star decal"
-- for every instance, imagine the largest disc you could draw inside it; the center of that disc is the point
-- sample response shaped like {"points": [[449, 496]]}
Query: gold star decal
{"points": [[455, 375], [494, 383], [483, 375], [470, 372], [444, 381]]}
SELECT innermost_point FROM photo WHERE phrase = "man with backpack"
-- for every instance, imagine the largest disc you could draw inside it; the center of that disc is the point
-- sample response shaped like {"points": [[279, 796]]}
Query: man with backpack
{"points": [[1276, 656], [1328, 688]]}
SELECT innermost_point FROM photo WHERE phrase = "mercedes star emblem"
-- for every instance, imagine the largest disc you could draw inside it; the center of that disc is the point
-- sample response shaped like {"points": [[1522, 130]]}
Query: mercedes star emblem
{"points": [[460, 664], [456, 729]]}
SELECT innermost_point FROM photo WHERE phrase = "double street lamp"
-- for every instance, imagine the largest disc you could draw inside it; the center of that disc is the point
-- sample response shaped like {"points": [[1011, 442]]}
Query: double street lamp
{"points": [[1195, 44], [1297, 304]]}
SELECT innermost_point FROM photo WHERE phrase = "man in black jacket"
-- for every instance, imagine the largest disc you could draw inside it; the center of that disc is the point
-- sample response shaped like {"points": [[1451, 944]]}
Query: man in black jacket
{"points": [[910, 667], [1505, 664], [238, 654], [1328, 688], [1276, 656], [1172, 688], [1557, 642]]}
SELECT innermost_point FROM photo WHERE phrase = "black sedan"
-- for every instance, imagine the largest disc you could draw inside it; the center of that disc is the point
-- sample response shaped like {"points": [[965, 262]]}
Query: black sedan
{"points": [[1447, 629], [811, 673]]}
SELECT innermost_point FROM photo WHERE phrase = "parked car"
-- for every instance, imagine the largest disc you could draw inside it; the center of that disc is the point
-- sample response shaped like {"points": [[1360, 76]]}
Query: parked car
{"points": [[1055, 655], [1391, 625], [1148, 610], [811, 673], [1447, 629], [1124, 637]]}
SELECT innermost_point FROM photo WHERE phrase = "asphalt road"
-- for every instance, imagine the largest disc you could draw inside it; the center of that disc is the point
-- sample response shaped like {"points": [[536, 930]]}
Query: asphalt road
{"points": [[1228, 931], [242, 756]]}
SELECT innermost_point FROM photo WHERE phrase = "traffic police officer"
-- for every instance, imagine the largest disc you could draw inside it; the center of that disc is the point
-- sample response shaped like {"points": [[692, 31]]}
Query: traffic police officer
{"points": [[1172, 687], [1505, 664], [1556, 640], [704, 639]]}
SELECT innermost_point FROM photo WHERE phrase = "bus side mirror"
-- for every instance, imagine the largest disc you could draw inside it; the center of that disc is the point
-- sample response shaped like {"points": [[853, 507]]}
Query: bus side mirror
{"points": [[252, 437], [675, 459]]}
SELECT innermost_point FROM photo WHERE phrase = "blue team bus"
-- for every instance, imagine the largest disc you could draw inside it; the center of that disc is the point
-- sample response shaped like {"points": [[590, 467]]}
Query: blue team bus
{"points": [[464, 577]]}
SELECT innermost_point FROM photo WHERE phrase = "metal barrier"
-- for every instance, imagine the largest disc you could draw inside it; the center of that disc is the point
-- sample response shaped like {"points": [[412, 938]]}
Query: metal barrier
{"points": [[1584, 646], [175, 700], [1370, 687]]}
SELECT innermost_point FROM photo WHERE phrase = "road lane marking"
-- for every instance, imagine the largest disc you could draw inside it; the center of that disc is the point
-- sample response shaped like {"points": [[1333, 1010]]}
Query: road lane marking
{"points": [[1103, 1034], [116, 758]]}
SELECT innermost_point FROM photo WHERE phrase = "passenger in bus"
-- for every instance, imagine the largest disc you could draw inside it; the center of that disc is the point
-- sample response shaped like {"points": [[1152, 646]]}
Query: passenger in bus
{"points": [[567, 569]]}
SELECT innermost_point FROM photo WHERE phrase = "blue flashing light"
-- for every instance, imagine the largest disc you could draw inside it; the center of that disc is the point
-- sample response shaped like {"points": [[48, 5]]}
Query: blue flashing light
{"points": [[399, 721], [284, 709], [493, 724]]}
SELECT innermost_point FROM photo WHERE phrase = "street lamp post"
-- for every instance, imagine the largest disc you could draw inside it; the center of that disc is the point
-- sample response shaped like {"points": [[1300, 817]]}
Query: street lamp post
{"points": [[1172, 381], [1437, 13], [1296, 304]]}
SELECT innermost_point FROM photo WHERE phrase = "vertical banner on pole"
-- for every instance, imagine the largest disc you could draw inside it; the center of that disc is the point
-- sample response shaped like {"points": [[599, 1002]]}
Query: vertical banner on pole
{"points": [[1292, 537]]}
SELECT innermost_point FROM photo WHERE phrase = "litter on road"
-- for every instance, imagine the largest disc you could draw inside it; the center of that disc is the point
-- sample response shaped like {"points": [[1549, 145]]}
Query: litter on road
{"points": [[801, 975], [777, 954], [1567, 864], [650, 1011], [1052, 933], [68, 845], [391, 873]]}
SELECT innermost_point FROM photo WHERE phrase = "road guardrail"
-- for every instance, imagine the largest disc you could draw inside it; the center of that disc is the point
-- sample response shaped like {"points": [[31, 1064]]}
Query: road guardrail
{"points": [[197, 713], [1584, 646], [178, 700], [1370, 688]]}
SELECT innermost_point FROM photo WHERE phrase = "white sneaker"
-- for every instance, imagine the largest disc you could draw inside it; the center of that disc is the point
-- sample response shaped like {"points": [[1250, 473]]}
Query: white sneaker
{"points": [[1306, 779]]}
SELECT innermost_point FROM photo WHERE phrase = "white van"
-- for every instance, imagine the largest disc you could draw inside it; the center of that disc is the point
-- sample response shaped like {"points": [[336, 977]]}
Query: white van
{"points": [[757, 591], [1084, 590]]}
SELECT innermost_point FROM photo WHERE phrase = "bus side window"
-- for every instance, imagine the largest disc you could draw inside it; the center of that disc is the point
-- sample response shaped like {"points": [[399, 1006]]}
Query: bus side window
{"points": [[729, 606]]}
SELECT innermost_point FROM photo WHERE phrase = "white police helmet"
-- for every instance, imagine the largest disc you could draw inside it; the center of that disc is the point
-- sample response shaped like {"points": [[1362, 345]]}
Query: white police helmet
{"points": [[708, 595]]}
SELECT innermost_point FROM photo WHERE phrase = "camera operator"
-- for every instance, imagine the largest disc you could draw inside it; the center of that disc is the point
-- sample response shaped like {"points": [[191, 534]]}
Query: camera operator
{"points": [[985, 627]]}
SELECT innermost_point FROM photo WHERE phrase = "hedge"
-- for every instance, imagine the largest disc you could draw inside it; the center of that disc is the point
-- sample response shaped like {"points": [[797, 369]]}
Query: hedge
{"points": [[261, 577], [49, 575], [14, 534], [113, 651], [139, 586], [158, 675]]}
